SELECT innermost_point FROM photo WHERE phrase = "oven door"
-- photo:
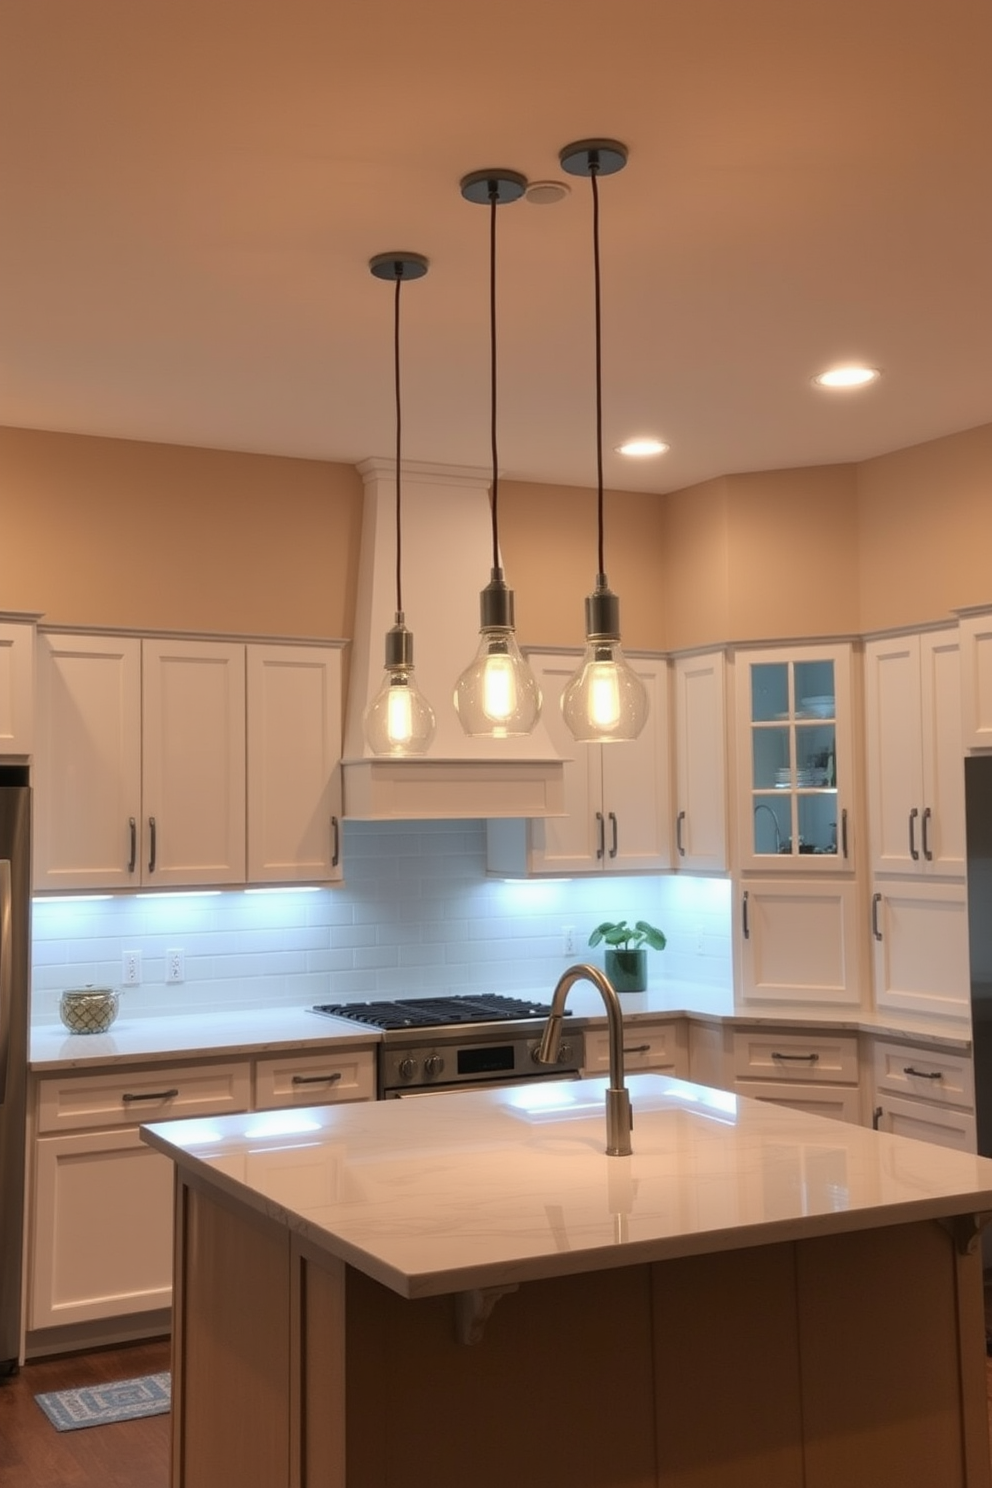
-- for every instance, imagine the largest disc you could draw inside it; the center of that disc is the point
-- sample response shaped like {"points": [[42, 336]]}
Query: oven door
{"points": [[455, 1089]]}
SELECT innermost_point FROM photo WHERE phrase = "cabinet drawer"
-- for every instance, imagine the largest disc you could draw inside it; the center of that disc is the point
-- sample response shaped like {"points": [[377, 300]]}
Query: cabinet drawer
{"points": [[70, 1102], [839, 1102], [314, 1079], [943, 1078], [763, 1055], [926, 1121], [654, 1046]]}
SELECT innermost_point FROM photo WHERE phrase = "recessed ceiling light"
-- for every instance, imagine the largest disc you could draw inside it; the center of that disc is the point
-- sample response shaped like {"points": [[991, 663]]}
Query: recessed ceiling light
{"points": [[546, 193], [847, 377], [641, 447]]}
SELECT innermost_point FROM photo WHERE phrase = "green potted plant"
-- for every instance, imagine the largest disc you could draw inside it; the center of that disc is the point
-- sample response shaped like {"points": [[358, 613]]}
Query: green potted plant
{"points": [[627, 952]]}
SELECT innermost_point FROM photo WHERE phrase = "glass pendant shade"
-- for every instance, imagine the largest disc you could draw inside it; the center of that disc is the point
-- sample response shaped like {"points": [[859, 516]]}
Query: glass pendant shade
{"points": [[605, 702], [399, 720], [497, 695]]}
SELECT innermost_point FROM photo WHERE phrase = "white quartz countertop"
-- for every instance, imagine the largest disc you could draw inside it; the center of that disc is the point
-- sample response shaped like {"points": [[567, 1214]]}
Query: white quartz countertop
{"points": [[452, 1192], [261, 1030]]}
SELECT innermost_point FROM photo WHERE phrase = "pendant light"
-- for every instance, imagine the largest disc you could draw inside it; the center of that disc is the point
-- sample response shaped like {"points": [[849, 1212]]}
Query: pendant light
{"points": [[497, 695], [605, 702], [399, 720]]}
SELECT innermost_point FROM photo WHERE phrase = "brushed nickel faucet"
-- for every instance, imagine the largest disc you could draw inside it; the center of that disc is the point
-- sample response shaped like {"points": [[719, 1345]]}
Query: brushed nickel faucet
{"points": [[619, 1118]]}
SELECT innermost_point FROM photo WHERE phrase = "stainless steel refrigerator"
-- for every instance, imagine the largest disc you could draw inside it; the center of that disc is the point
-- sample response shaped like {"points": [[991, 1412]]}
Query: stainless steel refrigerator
{"points": [[15, 958]]}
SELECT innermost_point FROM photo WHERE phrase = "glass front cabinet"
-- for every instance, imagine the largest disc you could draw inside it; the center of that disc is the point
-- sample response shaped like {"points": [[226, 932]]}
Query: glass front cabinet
{"points": [[795, 758]]}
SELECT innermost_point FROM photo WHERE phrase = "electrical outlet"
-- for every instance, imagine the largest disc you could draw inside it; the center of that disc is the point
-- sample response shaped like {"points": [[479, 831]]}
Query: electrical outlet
{"points": [[175, 968], [568, 940], [131, 969]]}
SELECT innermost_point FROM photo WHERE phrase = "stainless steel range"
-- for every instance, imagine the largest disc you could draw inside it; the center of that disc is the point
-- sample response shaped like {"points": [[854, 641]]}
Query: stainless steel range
{"points": [[450, 1043]]}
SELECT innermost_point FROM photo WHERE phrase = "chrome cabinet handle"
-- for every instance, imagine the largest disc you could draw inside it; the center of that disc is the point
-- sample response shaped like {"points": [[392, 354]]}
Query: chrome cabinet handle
{"points": [[926, 834], [613, 823], [744, 920], [132, 861], [843, 831], [336, 840], [148, 1095], [876, 900], [601, 828], [914, 851], [678, 833], [152, 843], [317, 1079], [811, 1058], [923, 1074]]}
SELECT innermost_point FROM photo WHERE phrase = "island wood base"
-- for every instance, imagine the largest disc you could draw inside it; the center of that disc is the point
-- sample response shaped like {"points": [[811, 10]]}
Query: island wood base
{"points": [[844, 1360]]}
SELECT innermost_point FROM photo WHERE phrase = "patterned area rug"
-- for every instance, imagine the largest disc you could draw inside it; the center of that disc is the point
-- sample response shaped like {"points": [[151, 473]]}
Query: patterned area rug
{"points": [[99, 1405]]}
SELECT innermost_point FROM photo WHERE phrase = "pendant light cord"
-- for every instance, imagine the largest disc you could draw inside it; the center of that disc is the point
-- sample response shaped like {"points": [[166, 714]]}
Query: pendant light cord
{"points": [[399, 426], [494, 495], [593, 171]]}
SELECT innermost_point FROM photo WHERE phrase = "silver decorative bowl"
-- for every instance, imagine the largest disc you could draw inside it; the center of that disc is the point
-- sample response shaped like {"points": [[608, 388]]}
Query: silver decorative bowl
{"points": [[88, 1009]]}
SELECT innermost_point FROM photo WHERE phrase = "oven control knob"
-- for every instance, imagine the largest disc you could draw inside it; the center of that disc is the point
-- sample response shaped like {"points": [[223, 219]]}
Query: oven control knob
{"points": [[433, 1065], [407, 1069]]}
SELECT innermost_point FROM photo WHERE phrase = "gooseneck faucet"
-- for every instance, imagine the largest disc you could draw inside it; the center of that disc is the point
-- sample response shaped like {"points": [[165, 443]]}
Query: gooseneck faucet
{"points": [[619, 1119]]}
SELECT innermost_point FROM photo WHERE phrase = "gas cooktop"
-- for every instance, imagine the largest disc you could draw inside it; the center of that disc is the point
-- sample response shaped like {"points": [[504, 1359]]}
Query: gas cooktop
{"points": [[436, 1012]]}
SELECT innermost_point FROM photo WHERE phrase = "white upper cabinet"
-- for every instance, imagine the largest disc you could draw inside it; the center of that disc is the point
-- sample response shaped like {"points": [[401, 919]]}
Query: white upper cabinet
{"points": [[168, 763], [975, 631], [915, 754], [795, 777], [699, 731], [16, 688], [193, 762], [616, 795], [88, 763], [294, 764]]}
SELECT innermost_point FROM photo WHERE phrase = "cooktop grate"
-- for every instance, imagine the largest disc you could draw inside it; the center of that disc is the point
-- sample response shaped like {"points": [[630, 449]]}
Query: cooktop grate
{"points": [[436, 1012]]}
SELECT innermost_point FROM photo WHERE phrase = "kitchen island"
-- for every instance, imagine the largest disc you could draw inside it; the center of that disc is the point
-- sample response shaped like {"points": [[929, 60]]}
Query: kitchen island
{"points": [[465, 1289]]}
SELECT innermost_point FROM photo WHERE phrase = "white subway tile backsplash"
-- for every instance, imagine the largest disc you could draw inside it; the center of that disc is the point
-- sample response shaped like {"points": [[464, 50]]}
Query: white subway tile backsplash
{"points": [[416, 916]]}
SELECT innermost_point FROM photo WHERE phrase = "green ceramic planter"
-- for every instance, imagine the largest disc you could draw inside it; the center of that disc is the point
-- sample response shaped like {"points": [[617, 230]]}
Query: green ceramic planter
{"points": [[627, 970]]}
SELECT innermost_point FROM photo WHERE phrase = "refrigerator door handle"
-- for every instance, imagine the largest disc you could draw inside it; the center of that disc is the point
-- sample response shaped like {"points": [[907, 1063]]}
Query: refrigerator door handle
{"points": [[6, 972]]}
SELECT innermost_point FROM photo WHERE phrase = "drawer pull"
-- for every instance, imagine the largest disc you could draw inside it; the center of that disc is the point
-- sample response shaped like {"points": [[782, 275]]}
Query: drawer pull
{"points": [[927, 850], [803, 1058], [153, 843], [678, 834], [638, 1049], [745, 922], [909, 1069], [317, 1079], [614, 843], [876, 1118], [876, 900], [336, 836], [914, 851], [132, 861], [601, 834], [148, 1095]]}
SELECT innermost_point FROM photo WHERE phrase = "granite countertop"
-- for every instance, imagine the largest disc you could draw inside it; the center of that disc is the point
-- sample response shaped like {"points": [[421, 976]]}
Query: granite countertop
{"points": [[491, 1188], [155, 1040]]}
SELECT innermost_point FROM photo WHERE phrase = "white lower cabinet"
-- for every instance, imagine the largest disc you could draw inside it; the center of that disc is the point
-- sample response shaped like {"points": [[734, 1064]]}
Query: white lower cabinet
{"points": [[100, 1244], [924, 1092], [816, 1072], [919, 935], [799, 941], [659, 1046]]}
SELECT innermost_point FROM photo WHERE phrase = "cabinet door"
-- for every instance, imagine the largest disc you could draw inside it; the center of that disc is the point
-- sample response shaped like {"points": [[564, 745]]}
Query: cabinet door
{"points": [[635, 777], [920, 939], [700, 764], [193, 762], [976, 680], [796, 758], [942, 835], [798, 942], [102, 1235], [926, 1123], [16, 688], [88, 762], [294, 764], [893, 734]]}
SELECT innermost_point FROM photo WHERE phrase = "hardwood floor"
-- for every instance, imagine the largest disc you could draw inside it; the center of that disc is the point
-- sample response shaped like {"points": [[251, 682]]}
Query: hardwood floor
{"points": [[133, 1454]]}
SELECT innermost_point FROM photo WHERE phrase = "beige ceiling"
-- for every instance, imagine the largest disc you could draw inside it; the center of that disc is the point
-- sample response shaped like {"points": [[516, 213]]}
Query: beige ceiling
{"points": [[191, 190]]}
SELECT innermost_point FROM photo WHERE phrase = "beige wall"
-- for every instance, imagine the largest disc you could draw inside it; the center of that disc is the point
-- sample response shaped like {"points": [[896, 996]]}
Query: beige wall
{"points": [[157, 537], [925, 537], [149, 536]]}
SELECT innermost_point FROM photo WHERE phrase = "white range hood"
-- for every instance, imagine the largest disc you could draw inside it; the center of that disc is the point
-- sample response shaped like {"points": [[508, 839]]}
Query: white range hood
{"points": [[447, 556]]}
